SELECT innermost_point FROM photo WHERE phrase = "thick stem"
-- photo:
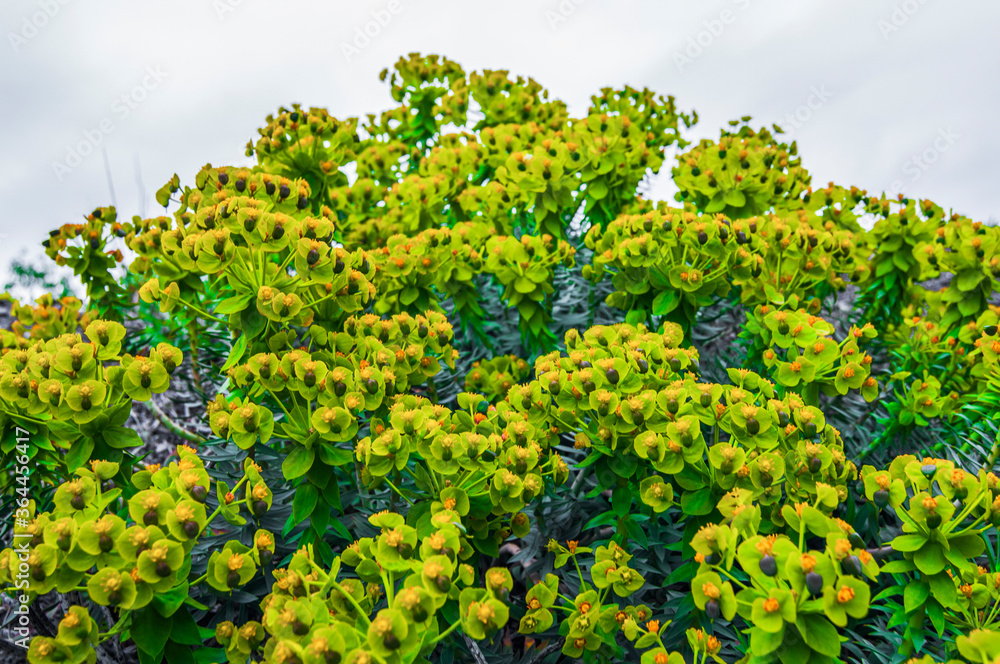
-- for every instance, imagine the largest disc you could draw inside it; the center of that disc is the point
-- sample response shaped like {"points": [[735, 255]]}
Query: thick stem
{"points": [[546, 651], [477, 654], [172, 426], [881, 552], [193, 339]]}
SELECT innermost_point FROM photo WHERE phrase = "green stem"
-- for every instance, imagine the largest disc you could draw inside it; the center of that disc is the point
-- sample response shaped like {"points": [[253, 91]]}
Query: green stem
{"points": [[172, 426], [733, 578], [448, 631], [397, 490], [117, 628], [993, 612], [390, 590], [780, 254], [970, 527], [219, 508], [193, 344], [468, 489], [250, 269], [310, 305], [18, 415], [202, 313], [350, 598], [288, 259], [278, 401], [433, 475], [966, 511], [578, 572]]}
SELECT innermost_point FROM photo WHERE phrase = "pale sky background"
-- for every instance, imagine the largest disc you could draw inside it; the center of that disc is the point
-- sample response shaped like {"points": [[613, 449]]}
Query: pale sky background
{"points": [[896, 80]]}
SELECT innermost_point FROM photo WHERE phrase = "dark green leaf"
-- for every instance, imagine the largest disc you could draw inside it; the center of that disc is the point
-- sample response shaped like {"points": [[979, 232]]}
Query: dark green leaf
{"points": [[304, 502]]}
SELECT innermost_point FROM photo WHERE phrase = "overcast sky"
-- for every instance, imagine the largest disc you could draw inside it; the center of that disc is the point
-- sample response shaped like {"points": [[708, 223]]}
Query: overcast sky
{"points": [[885, 95]]}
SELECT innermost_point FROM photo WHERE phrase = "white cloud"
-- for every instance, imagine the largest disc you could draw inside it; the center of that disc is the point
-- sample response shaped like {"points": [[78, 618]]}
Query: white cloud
{"points": [[227, 73]]}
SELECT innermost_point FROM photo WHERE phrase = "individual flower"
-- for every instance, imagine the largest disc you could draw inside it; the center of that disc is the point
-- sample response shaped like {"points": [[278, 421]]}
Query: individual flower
{"points": [[112, 587], [159, 564], [230, 568], [481, 614], [848, 597], [713, 595]]}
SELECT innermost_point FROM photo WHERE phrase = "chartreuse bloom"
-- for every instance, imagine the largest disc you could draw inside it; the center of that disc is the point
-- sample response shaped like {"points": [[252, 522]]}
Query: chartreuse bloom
{"points": [[482, 614], [230, 568], [150, 507], [390, 632], [713, 595], [611, 569], [73, 644], [96, 542], [540, 599], [847, 597], [656, 493], [186, 520], [158, 565], [263, 547], [111, 587]]}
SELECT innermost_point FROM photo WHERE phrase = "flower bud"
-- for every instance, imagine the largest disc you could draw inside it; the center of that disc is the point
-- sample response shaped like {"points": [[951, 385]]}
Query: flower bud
{"points": [[814, 583], [199, 493]]}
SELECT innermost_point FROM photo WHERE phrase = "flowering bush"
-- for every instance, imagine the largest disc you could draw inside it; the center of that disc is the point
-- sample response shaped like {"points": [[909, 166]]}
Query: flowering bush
{"points": [[480, 399]]}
